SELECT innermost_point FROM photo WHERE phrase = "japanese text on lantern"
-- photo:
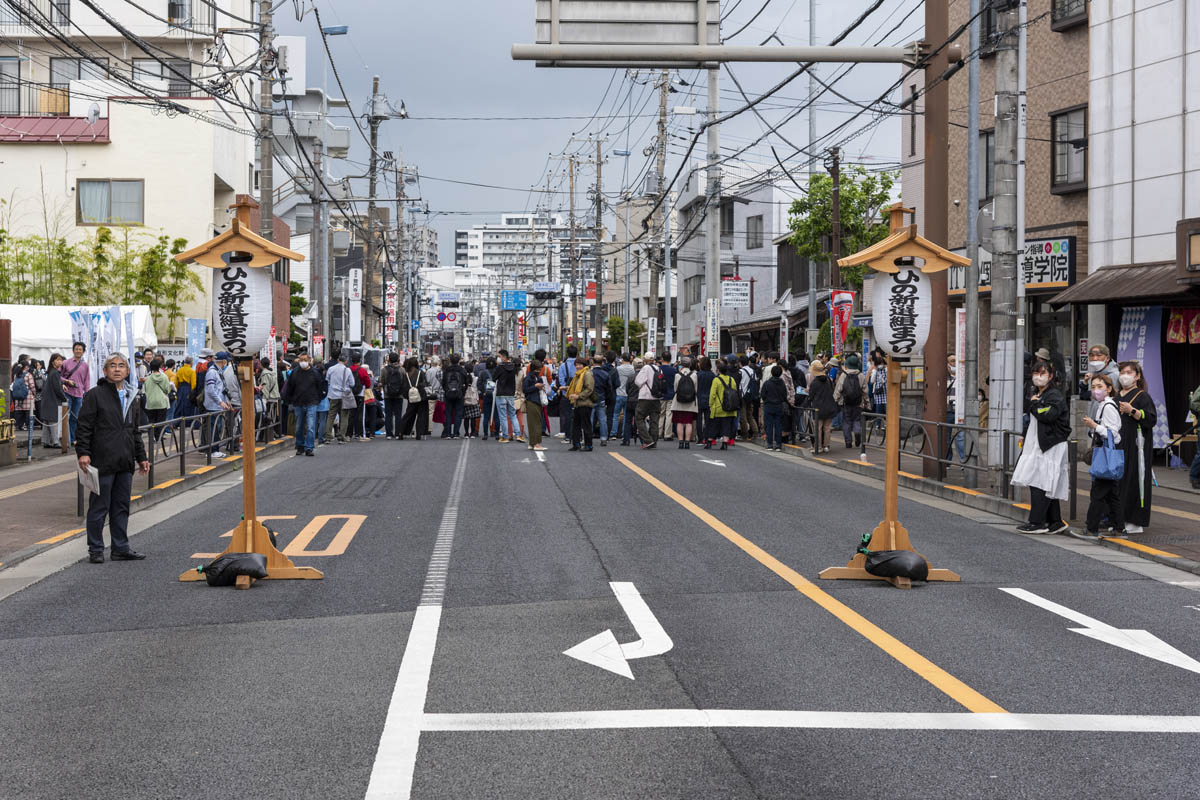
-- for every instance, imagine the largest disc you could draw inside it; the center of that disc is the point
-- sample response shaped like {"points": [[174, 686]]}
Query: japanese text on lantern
{"points": [[231, 309], [902, 311]]}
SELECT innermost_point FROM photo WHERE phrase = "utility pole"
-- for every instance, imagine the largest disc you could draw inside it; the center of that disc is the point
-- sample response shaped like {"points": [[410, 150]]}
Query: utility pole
{"points": [[812, 141], [266, 174], [373, 120], [970, 365], [571, 254], [937, 137], [712, 264], [597, 315], [1005, 354], [398, 172], [318, 237], [835, 171], [657, 264]]}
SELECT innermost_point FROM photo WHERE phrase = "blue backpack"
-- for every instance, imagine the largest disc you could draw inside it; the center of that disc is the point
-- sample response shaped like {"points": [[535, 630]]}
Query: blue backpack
{"points": [[19, 389]]}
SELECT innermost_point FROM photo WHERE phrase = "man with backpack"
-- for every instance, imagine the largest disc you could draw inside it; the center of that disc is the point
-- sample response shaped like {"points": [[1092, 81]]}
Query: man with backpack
{"points": [[505, 376], [750, 387], [850, 392], [454, 389], [393, 384], [668, 371], [648, 380]]}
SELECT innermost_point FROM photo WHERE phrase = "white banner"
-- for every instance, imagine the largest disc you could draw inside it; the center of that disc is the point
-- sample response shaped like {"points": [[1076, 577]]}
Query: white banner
{"points": [[735, 293], [241, 309], [712, 328], [652, 336], [960, 352], [902, 310]]}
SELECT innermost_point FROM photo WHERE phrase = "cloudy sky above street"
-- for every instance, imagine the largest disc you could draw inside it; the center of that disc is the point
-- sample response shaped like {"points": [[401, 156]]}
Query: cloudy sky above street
{"points": [[478, 117]]}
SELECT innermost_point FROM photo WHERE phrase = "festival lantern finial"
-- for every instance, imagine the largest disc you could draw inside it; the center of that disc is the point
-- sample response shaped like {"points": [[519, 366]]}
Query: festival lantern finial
{"points": [[241, 326], [902, 310]]}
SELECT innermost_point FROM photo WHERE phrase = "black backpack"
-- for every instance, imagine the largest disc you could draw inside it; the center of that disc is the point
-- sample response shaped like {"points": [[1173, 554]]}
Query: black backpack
{"points": [[852, 390], [752, 387], [394, 381], [198, 393], [658, 387], [358, 384], [730, 399], [454, 384], [631, 387], [685, 392]]}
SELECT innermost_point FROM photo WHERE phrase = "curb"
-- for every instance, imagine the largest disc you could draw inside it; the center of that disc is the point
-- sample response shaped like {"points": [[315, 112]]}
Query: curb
{"points": [[1000, 506], [164, 491]]}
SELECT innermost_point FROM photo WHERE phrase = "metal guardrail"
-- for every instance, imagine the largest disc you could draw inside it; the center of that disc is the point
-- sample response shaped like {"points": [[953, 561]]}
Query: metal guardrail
{"points": [[176, 438]]}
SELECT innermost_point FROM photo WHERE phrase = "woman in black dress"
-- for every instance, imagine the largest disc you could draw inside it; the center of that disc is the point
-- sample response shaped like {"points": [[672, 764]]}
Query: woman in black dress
{"points": [[416, 419], [1137, 414]]}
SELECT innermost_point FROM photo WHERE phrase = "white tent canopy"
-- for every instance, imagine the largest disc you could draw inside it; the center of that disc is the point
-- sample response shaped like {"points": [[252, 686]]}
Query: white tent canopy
{"points": [[39, 331]]}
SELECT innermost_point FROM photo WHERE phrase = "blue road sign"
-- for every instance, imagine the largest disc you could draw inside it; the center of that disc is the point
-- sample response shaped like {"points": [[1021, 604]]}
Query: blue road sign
{"points": [[511, 300], [416, 323]]}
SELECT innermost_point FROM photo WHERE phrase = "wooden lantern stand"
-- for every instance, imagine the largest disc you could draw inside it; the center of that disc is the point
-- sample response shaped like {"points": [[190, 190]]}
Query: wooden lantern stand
{"points": [[890, 534], [250, 536]]}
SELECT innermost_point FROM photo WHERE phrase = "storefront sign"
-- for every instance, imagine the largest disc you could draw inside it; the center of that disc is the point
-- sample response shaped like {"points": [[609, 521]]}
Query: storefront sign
{"points": [[712, 328], [652, 336], [1139, 340], [735, 293], [356, 285], [783, 335], [1045, 264], [241, 309], [902, 312]]}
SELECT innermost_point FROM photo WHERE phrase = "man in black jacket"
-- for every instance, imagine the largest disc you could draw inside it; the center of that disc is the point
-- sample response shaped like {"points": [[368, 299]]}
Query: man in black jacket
{"points": [[107, 439], [393, 386], [454, 390], [505, 376], [303, 394]]}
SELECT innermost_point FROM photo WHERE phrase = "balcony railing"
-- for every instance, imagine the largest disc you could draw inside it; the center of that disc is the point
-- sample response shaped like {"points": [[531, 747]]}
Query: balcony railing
{"points": [[191, 17], [33, 100], [31, 15]]}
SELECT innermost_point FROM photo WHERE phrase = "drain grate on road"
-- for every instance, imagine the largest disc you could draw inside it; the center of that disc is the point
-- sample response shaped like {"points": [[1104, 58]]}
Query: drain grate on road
{"points": [[360, 488]]}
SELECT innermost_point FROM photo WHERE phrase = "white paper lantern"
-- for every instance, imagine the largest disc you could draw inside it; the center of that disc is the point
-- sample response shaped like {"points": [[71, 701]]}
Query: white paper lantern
{"points": [[241, 309], [902, 310]]}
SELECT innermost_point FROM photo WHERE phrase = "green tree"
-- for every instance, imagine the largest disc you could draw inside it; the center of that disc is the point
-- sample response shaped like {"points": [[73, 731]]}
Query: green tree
{"points": [[854, 337], [616, 333], [180, 281], [296, 305], [864, 198]]}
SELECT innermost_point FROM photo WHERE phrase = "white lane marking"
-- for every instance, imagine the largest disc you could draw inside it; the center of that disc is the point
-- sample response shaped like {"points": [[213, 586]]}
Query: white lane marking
{"points": [[602, 650], [396, 756], [1136, 641], [540, 455], [714, 461], [862, 720]]}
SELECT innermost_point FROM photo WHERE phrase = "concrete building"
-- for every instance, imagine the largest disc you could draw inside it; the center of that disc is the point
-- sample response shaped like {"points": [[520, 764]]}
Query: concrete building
{"points": [[77, 135], [475, 322]]}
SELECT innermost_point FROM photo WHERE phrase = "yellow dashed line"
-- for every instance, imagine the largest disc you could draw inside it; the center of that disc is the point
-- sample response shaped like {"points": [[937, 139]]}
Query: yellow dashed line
{"points": [[1141, 547], [1024, 506], [62, 536], [964, 490], [909, 474], [135, 497], [857, 461], [202, 470], [825, 460], [1174, 512], [171, 482]]}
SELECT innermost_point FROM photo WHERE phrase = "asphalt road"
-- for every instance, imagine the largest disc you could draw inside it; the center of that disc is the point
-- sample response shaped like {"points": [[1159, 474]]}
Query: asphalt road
{"points": [[430, 658]]}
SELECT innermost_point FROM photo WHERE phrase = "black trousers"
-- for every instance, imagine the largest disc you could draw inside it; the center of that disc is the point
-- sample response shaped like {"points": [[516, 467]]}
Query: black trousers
{"points": [[417, 413], [722, 427], [646, 417], [112, 504], [1042, 509], [391, 415], [582, 423], [1106, 497]]}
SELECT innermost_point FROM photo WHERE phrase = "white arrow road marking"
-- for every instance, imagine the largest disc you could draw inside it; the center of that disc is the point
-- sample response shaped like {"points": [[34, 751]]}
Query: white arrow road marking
{"points": [[603, 650], [1137, 641], [715, 461], [540, 455], [524, 461]]}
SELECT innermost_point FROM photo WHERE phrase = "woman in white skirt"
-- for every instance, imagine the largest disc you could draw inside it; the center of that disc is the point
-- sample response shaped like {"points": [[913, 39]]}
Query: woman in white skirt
{"points": [[1043, 463]]}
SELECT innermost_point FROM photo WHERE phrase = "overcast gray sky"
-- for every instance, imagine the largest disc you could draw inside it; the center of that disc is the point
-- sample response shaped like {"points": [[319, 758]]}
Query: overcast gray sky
{"points": [[450, 58]]}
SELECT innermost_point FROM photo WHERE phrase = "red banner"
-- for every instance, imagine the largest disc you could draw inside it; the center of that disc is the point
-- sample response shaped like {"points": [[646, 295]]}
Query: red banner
{"points": [[842, 303], [1184, 326]]}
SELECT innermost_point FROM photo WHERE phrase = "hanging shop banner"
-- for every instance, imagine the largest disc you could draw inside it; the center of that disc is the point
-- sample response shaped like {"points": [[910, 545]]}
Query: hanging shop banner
{"points": [[841, 306], [902, 311], [712, 328], [1043, 264], [197, 329], [735, 293], [652, 336], [390, 304], [241, 309], [1184, 326], [128, 315], [1139, 340], [783, 335]]}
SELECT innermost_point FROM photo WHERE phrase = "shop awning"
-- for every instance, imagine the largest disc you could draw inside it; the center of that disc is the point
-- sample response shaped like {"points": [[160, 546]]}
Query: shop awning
{"points": [[1124, 283]]}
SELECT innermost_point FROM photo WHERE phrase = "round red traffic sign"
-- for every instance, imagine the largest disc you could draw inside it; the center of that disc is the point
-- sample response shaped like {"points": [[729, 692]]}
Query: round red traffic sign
{"points": [[451, 316], [441, 317]]}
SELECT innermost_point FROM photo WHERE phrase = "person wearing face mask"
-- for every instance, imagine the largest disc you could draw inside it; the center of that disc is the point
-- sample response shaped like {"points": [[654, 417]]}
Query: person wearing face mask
{"points": [[1099, 363], [302, 393], [1105, 494], [1043, 463], [1138, 417]]}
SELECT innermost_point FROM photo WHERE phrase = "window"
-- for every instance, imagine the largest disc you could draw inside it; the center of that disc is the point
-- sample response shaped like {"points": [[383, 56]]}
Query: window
{"points": [[109, 202], [912, 120], [987, 165], [691, 290], [754, 232], [987, 29], [65, 70], [1066, 14], [1068, 156], [10, 86], [175, 72]]}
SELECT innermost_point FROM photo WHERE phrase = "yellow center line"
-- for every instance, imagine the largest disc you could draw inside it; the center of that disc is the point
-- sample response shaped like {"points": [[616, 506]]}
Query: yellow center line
{"points": [[1174, 512], [1145, 548], [938, 677]]}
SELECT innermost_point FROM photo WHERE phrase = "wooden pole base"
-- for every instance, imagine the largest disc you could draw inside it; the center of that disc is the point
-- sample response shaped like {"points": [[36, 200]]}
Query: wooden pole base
{"points": [[253, 537], [887, 536]]}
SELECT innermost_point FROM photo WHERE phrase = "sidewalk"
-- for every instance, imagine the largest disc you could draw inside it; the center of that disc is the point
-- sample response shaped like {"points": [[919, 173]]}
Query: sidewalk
{"points": [[39, 500], [1174, 530]]}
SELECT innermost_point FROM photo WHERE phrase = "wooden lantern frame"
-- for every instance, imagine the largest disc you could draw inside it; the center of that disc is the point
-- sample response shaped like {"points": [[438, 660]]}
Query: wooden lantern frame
{"points": [[903, 243], [250, 535]]}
